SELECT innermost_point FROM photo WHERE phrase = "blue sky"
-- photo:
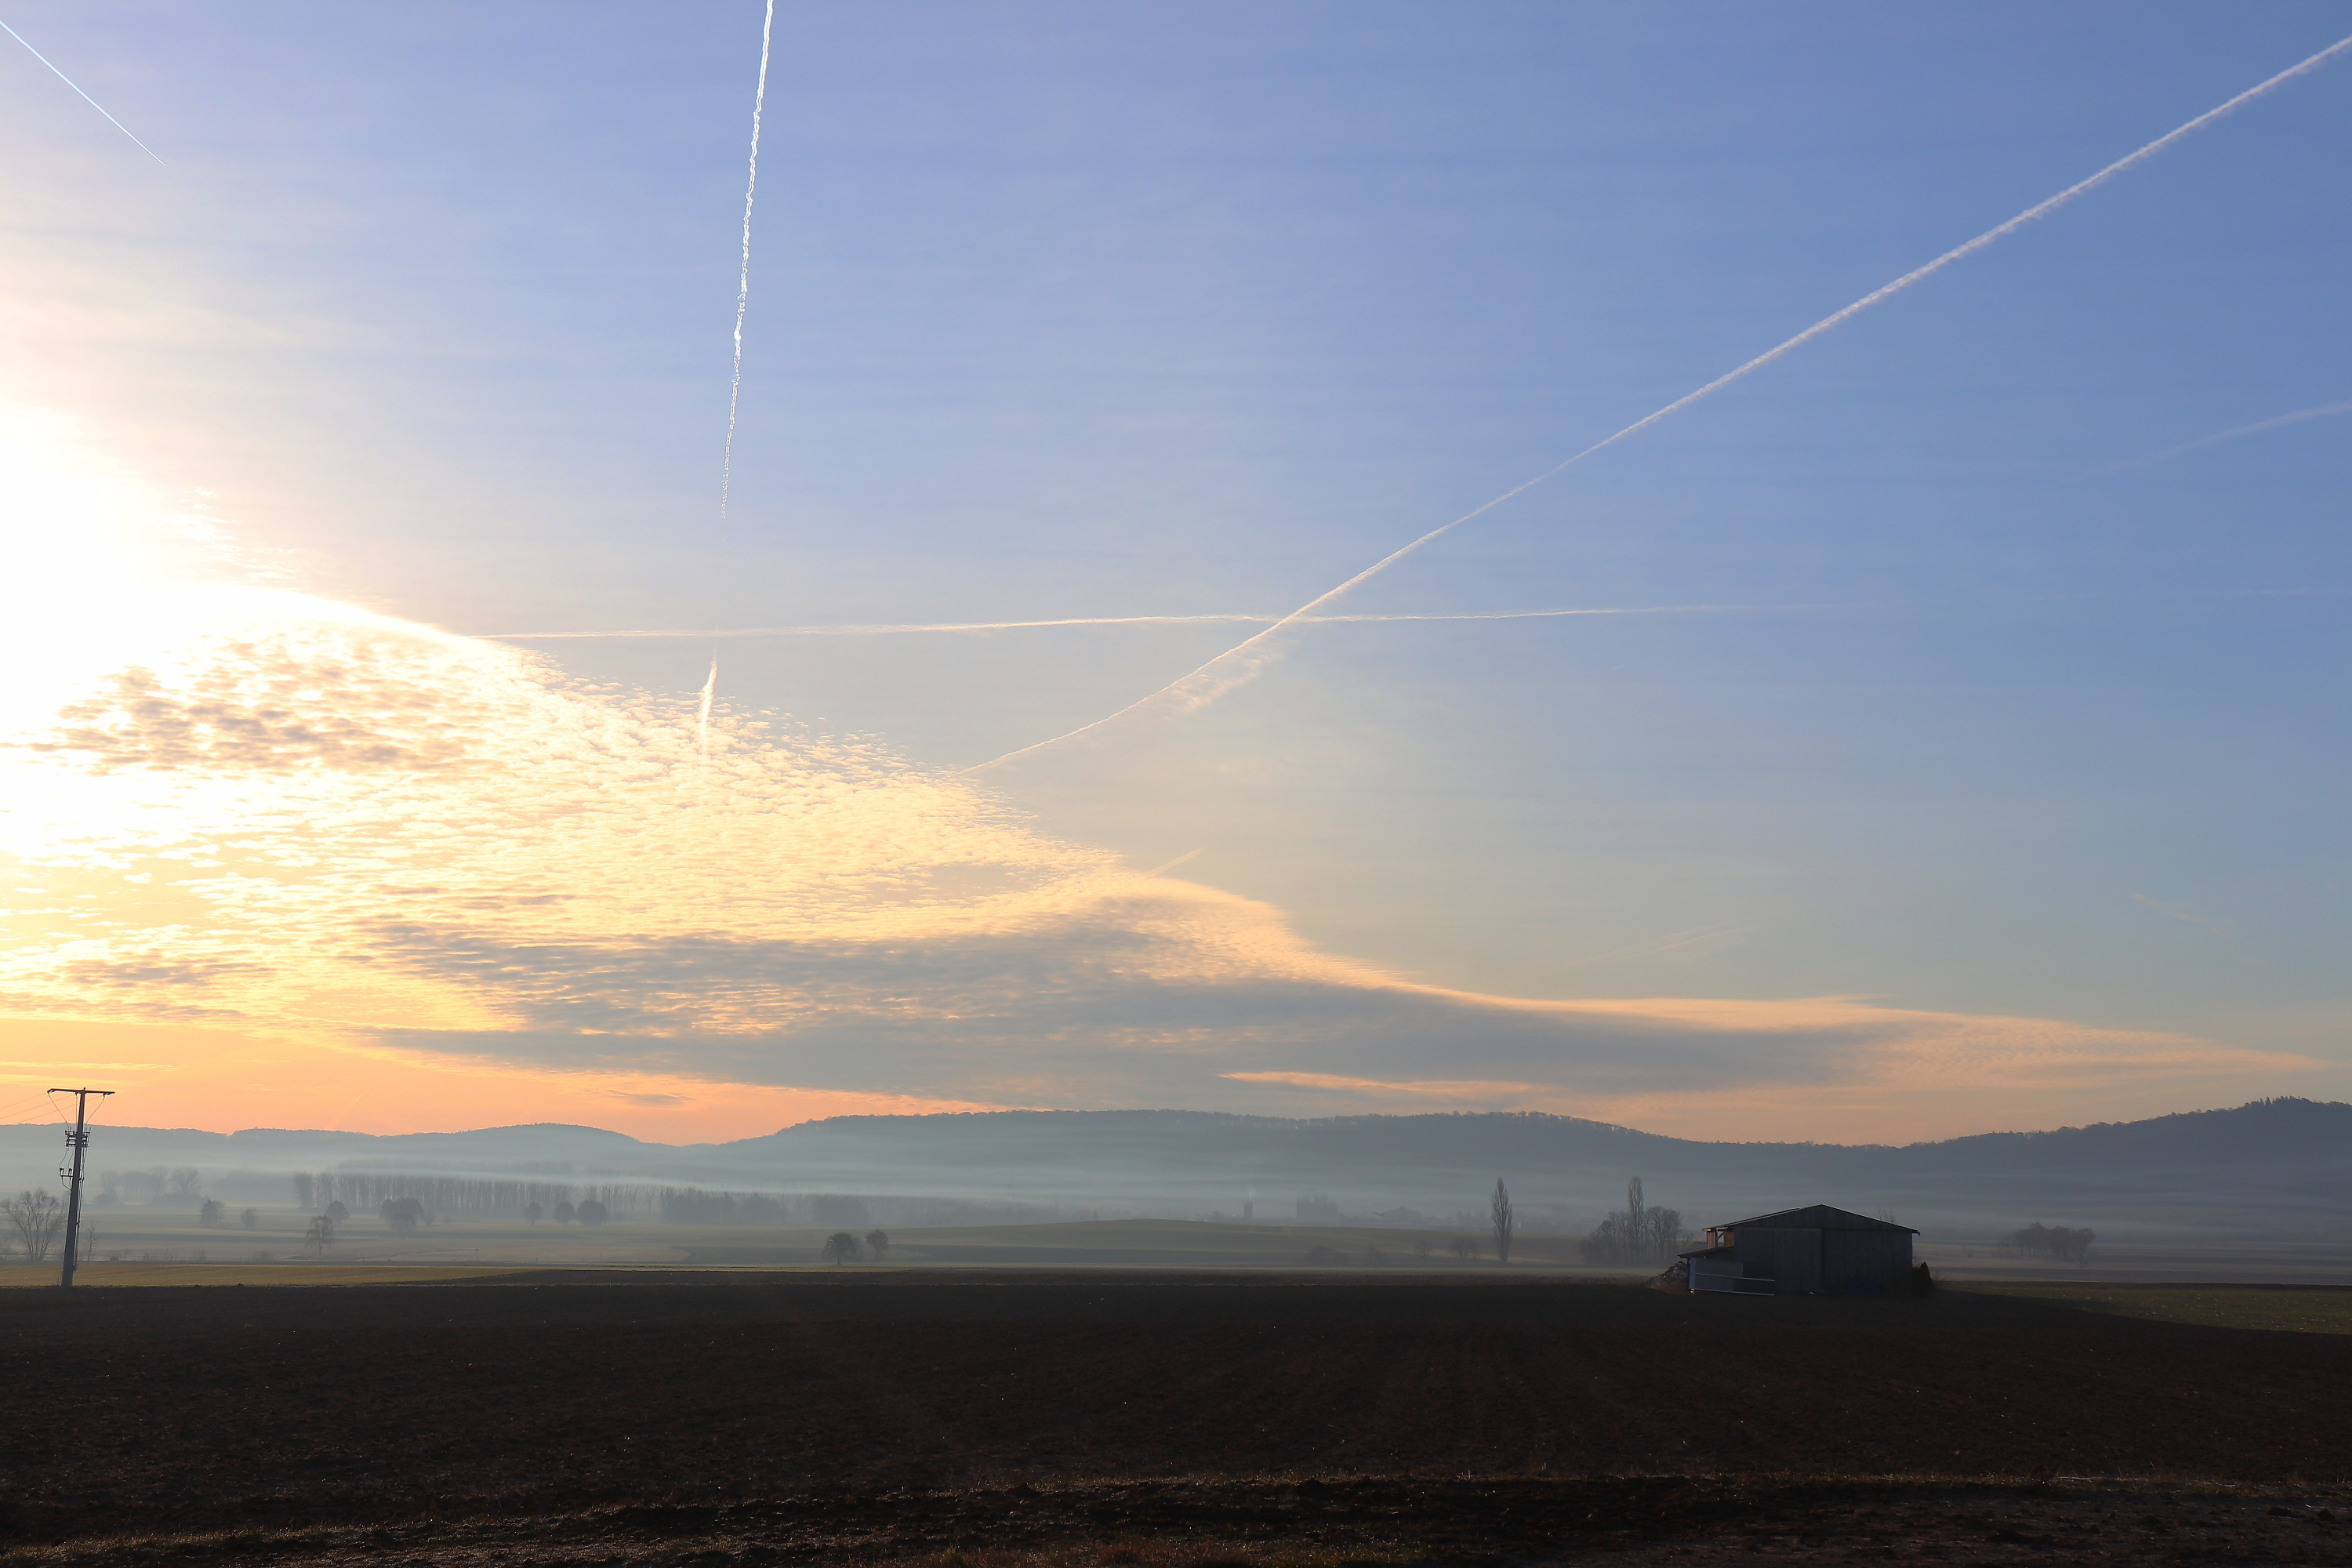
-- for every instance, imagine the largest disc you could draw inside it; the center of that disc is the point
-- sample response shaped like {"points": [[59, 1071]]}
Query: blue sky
{"points": [[1087, 311]]}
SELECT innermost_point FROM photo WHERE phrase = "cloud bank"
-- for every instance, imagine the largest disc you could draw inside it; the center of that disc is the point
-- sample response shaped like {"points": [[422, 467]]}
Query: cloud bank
{"points": [[280, 813]]}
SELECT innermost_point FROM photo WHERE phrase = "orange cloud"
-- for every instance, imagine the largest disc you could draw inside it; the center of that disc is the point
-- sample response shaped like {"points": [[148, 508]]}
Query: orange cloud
{"points": [[320, 866], [221, 1081]]}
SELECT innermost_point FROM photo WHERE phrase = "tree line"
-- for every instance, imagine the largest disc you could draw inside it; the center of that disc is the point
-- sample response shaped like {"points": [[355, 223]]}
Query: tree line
{"points": [[358, 1190], [1640, 1233], [2058, 1241]]}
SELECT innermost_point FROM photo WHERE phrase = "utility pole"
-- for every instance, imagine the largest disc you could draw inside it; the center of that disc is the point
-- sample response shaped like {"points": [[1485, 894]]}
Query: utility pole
{"points": [[77, 1140]]}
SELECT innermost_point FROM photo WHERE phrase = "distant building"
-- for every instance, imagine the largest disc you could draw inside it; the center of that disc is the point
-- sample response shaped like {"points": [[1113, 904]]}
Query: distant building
{"points": [[1316, 1209], [1815, 1251]]}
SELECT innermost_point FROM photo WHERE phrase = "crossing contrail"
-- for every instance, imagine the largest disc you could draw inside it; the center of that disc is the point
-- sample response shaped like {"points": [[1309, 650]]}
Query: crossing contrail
{"points": [[743, 290], [2324, 411], [885, 629], [86, 97], [1242, 662]]}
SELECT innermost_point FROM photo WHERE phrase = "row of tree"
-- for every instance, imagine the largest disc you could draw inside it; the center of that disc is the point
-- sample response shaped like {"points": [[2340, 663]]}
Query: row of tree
{"points": [[1640, 1233], [358, 1190], [846, 1247], [2058, 1241], [320, 1191]]}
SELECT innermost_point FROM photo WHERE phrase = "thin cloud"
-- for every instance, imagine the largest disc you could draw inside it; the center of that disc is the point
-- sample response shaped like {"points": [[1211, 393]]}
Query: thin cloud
{"points": [[2325, 411], [1486, 1091], [2177, 912]]}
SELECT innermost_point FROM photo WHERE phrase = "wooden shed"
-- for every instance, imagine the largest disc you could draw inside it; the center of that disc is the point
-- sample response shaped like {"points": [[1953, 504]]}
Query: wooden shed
{"points": [[1815, 1251]]}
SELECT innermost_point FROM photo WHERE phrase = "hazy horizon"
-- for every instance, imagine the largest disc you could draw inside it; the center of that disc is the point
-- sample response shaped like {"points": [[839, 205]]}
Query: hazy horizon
{"points": [[97, 1121]]}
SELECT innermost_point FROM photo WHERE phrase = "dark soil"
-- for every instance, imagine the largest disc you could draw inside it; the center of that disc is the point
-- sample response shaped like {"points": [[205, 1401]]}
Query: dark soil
{"points": [[885, 1415]]}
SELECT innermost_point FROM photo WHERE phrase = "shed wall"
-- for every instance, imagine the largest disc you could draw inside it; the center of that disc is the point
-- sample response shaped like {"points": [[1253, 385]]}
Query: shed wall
{"points": [[1794, 1256], [1857, 1262], [1805, 1262]]}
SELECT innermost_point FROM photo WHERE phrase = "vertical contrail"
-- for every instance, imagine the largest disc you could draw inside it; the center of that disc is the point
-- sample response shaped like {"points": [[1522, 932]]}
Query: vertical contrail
{"points": [[86, 97], [702, 719], [743, 290], [1239, 663]]}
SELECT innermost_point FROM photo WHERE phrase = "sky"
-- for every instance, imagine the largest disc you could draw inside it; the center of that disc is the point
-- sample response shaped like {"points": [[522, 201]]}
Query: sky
{"points": [[1949, 734]]}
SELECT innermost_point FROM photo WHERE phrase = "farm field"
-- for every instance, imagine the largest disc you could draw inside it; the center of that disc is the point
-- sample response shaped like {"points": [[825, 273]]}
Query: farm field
{"points": [[537, 1414], [2289, 1309], [2260, 1261], [141, 1237], [138, 1236]]}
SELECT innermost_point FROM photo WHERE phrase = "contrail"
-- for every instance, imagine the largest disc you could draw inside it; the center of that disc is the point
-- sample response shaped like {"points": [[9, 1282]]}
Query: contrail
{"points": [[1171, 865], [86, 97], [702, 719], [892, 630], [743, 290], [1243, 661], [2324, 411]]}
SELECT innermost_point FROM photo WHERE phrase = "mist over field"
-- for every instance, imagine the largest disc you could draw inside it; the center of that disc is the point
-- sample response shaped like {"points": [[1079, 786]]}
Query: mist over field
{"points": [[2276, 1169]]}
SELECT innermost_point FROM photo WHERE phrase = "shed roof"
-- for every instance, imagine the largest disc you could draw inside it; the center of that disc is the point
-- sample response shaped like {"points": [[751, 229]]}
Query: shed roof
{"points": [[1817, 1216]]}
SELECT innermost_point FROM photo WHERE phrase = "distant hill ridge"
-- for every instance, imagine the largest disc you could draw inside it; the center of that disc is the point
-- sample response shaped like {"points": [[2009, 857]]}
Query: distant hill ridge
{"points": [[2261, 1128], [2268, 1163]]}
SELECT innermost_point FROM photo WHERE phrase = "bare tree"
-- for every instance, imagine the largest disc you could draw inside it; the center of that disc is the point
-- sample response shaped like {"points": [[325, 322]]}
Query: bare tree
{"points": [[249, 1220], [1641, 1231], [37, 1217], [563, 1211], [841, 1246], [1498, 1208], [336, 1212], [532, 1213], [877, 1242], [301, 1180], [1462, 1248], [591, 1212], [321, 1236], [403, 1214], [212, 1215], [185, 1181]]}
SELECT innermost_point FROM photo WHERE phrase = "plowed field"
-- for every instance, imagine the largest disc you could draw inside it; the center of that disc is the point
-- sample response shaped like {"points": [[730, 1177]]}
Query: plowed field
{"points": [[253, 1409]]}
